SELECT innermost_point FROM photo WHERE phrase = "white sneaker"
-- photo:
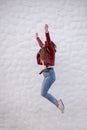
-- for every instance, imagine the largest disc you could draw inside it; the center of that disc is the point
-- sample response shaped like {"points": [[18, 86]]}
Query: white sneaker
{"points": [[61, 106]]}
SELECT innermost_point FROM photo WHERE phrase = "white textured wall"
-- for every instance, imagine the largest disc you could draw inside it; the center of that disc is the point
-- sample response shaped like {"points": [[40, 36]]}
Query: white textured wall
{"points": [[21, 106]]}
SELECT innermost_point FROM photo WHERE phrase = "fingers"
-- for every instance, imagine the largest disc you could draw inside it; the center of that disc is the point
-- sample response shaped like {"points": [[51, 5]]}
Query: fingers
{"points": [[37, 35], [46, 27], [46, 30]]}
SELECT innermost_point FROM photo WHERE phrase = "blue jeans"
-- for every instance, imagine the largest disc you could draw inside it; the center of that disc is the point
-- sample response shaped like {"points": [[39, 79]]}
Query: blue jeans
{"points": [[49, 78]]}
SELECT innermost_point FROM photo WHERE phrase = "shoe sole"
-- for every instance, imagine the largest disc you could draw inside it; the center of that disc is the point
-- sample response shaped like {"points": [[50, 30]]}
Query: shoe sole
{"points": [[63, 106]]}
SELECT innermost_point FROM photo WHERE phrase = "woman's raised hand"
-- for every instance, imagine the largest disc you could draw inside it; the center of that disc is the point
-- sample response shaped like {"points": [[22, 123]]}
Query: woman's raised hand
{"points": [[46, 28]]}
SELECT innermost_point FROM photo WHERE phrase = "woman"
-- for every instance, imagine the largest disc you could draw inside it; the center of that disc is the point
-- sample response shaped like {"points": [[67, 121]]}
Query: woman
{"points": [[48, 72]]}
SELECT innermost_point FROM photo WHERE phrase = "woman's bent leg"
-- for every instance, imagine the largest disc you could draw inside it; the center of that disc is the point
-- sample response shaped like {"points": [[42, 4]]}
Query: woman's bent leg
{"points": [[49, 78]]}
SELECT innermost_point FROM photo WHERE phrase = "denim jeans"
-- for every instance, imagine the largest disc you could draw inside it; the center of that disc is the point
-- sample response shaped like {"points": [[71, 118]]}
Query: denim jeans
{"points": [[49, 78]]}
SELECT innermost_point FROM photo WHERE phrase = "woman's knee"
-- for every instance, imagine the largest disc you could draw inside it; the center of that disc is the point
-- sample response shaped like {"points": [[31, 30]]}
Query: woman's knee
{"points": [[43, 94]]}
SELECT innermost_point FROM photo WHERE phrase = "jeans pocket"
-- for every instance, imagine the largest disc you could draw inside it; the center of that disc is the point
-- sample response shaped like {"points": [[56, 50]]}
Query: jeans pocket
{"points": [[46, 73]]}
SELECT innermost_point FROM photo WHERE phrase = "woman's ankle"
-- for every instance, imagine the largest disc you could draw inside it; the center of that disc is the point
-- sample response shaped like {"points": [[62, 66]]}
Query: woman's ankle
{"points": [[57, 104]]}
